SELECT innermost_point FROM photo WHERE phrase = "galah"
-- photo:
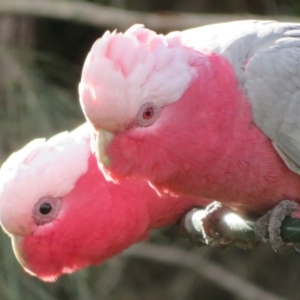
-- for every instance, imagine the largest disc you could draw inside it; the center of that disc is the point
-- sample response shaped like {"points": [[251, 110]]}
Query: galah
{"points": [[211, 111], [61, 213]]}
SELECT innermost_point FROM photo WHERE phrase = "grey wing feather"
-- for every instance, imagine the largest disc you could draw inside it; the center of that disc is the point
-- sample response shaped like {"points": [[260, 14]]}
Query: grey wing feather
{"points": [[272, 83], [266, 58]]}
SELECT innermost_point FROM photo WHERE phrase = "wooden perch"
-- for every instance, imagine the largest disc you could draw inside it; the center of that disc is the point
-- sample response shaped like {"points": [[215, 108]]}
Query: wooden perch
{"points": [[112, 18]]}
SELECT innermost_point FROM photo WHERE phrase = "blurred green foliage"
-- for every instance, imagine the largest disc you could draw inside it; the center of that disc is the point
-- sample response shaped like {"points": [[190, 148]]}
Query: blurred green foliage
{"points": [[35, 100]]}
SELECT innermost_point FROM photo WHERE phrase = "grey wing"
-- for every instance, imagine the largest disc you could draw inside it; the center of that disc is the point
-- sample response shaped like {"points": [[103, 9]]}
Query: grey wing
{"points": [[266, 59], [238, 41], [272, 84]]}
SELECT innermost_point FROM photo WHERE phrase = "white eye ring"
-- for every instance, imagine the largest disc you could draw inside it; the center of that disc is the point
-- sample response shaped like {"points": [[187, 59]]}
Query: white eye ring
{"points": [[46, 210], [147, 114]]}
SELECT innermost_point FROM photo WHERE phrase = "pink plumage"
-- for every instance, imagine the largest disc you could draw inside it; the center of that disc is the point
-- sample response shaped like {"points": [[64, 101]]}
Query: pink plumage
{"points": [[91, 219], [196, 130]]}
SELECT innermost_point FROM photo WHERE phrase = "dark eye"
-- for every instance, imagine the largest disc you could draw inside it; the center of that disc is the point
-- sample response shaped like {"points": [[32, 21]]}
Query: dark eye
{"points": [[147, 114], [46, 210]]}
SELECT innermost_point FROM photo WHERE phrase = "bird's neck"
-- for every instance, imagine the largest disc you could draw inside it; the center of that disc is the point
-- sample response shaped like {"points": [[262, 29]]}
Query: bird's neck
{"points": [[135, 206], [143, 209], [165, 210]]}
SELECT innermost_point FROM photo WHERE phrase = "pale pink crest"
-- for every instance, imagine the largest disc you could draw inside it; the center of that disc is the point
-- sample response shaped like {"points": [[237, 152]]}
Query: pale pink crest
{"points": [[124, 71], [41, 168]]}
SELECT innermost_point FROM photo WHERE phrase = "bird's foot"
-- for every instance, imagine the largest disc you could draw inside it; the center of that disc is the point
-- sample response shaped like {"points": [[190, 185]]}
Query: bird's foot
{"points": [[210, 225], [200, 226], [270, 224], [214, 229], [188, 231]]}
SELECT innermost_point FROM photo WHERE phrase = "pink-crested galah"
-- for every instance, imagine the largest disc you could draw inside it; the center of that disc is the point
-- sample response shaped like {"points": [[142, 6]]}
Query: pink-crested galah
{"points": [[211, 111], [62, 215]]}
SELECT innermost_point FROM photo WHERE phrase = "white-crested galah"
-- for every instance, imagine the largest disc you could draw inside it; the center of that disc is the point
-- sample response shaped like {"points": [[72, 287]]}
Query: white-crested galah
{"points": [[212, 111], [62, 215]]}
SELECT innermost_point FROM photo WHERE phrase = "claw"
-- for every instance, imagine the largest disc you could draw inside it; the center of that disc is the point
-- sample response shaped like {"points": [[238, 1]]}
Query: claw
{"points": [[210, 223], [201, 226], [280, 212], [271, 223], [190, 230], [261, 227], [207, 227]]}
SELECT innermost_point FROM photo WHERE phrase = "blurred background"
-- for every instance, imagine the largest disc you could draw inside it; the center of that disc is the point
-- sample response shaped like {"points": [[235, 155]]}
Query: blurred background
{"points": [[43, 44]]}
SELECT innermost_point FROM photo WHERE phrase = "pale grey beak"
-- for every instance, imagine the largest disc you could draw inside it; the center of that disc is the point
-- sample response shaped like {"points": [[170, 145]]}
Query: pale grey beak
{"points": [[103, 138], [16, 241]]}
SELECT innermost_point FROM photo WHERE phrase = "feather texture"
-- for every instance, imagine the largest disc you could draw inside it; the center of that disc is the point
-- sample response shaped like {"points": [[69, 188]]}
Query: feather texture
{"points": [[48, 167], [130, 69], [96, 219], [266, 59], [233, 132]]}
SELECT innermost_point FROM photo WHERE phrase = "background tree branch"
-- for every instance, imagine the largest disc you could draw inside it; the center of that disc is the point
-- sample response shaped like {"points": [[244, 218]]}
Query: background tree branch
{"points": [[193, 260], [110, 17]]}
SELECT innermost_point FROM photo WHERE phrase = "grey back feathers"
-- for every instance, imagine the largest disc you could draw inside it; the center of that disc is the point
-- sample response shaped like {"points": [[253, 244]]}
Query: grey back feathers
{"points": [[266, 58]]}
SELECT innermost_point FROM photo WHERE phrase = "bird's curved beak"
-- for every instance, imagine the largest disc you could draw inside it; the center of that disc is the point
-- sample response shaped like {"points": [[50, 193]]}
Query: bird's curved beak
{"points": [[103, 138], [16, 241]]}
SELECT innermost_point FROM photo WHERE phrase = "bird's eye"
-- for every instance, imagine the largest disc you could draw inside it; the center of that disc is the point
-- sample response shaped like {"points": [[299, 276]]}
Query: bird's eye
{"points": [[147, 114], [46, 210]]}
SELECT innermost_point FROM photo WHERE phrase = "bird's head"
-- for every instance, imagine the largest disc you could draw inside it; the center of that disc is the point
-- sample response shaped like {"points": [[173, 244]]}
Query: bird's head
{"points": [[127, 82], [58, 209], [160, 107]]}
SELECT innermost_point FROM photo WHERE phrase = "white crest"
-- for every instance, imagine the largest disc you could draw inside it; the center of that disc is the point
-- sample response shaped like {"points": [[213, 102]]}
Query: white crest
{"points": [[124, 71], [42, 168]]}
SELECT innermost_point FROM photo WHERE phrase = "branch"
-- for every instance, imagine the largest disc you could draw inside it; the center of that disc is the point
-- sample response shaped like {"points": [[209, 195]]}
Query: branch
{"points": [[233, 226], [111, 18], [241, 288]]}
